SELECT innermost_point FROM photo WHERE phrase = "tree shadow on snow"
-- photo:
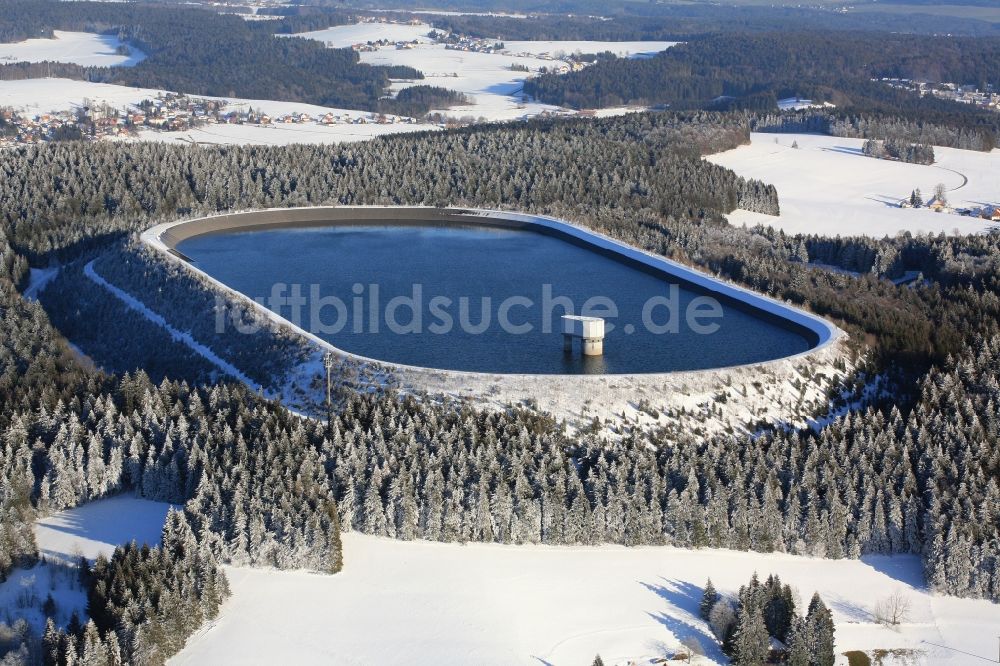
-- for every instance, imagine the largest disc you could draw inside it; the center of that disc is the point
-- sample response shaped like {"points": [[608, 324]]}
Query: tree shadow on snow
{"points": [[686, 598], [113, 521], [903, 568], [847, 150], [852, 611]]}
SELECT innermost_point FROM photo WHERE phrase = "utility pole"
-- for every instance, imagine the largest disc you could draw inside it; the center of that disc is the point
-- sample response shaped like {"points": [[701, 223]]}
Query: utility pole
{"points": [[328, 364]]}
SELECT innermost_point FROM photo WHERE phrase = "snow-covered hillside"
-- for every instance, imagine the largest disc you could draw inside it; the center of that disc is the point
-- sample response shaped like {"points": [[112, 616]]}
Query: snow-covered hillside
{"points": [[97, 527], [826, 186], [81, 48], [432, 603], [37, 96], [341, 36], [283, 135], [486, 78]]}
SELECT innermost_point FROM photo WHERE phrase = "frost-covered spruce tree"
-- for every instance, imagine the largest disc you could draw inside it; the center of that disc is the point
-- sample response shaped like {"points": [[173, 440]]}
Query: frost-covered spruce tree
{"points": [[708, 599], [799, 645], [751, 643], [819, 626]]}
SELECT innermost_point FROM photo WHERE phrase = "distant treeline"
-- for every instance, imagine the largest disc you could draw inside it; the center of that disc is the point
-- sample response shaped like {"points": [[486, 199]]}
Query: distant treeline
{"points": [[752, 71], [953, 129], [583, 18], [202, 53]]}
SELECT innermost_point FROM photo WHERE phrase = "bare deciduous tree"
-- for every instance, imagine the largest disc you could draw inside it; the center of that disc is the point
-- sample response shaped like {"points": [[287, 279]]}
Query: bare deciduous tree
{"points": [[893, 610]]}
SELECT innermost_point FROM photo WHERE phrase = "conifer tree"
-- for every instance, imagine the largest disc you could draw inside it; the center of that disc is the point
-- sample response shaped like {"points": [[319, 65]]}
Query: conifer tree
{"points": [[708, 599], [819, 623], [751, 643]]}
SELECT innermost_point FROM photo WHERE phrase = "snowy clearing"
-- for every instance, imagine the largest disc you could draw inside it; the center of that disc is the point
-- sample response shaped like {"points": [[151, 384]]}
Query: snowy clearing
{"points": [[80, 48], [486, 78], [55, 94], [797, 104], [97, 527], [433, 603], [826, 186], [38, 280], [558, 49], [42, 95], [282, 135], [341, 36], [90, 530]]}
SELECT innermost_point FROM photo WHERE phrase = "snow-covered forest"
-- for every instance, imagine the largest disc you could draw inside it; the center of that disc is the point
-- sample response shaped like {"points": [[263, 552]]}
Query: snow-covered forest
{"points": [[914, 473]]}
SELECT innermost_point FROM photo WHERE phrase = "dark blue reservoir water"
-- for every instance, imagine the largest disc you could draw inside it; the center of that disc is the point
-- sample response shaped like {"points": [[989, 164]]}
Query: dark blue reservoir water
{"points": [[481, 299]]}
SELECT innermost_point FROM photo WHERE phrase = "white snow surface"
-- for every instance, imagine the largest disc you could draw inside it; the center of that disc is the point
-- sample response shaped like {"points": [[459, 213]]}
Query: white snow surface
{"points": [[92, 529], [80, 48], [486, 78], [281, 135], [97, 527], [341, 36], [559, 49], [796, 104], [38, 280], [827, 186], [51, 95], [432, 603]]}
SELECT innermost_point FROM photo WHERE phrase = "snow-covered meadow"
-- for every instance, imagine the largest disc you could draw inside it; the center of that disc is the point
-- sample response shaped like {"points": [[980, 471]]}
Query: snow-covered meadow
{"points": [[486, 78], [827, 186], [797, 104], [38, 96], [283, 135], [433, 603], [80, 48], [93, 529], [341, 36], [493, 87]]}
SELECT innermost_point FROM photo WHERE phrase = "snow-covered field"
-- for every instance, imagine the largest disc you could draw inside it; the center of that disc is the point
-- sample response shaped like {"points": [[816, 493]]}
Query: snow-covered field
{"points": [[37, 96], [826, 186], [341, 36], [558, 49], [97, 527], [51, 95], [431, 603], [282, 135], [81, 48], [797, 103], [495, 90], [90, 530], [486, 78]]}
